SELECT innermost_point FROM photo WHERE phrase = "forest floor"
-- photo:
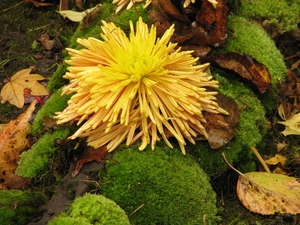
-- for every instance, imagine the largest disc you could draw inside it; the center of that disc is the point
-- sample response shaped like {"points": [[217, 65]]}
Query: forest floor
{"points": [[22, 24]]}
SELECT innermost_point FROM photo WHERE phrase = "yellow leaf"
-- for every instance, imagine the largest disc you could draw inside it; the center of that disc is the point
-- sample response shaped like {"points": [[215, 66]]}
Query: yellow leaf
{"points": [[13, 141], [292, 125], [268, 193], [76, 16], [276, 159], [13, 91]]}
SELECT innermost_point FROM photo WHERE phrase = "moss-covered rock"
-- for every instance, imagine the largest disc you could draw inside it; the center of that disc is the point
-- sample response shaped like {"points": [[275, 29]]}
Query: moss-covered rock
{"points": [[248, 37], [19, 207], [277, 16], [160, 187], [249, 132], [92, 209], [54, 104], [36, 160]]}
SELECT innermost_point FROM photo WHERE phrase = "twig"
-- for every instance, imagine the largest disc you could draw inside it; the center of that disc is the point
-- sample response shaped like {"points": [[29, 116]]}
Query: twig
{"points": [[137, 209], [260, 159], [4, 10]]}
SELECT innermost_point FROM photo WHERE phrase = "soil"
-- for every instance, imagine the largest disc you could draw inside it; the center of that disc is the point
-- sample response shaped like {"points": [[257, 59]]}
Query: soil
{"points": [[21, 24]]}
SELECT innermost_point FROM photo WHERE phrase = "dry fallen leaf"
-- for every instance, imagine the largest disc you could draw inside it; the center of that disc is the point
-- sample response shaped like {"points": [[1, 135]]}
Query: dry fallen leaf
{"points": [[12, 142], [246, 66], [91, 154], [292, 125], [268, 193], [220, 128], [77, 16], [13, 90]]}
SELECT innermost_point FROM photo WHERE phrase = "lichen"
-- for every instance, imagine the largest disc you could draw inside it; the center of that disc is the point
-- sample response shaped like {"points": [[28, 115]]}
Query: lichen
{"points": [[160, 187]]}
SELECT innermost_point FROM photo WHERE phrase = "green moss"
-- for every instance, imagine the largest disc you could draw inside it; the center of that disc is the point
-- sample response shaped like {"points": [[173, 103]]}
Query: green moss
{"points": [[249, 132], [19, 207], [248, 37], [55, 103], [56, 81], [36, 160], [160, 187], [277, 16], [92, 209]]}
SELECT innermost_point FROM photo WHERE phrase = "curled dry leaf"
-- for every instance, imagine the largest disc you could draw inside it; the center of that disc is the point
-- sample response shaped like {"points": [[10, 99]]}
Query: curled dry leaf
{"points": [[268, 193], [13, 90], [220, 128], [292, 125], [246, 66], [91, 154], [12, 142]]}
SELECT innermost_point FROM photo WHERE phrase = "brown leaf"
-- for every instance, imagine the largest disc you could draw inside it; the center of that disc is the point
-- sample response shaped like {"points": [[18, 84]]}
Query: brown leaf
{"points": [[90, 155], [289, 93], [268, 193], [246, 66], [37, 3], [13, 141], [45, 41], [170, 8], [220, 128]]}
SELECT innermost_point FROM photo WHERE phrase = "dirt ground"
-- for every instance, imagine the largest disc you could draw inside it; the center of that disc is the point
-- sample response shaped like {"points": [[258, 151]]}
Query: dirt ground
{"points": [[21, 25]]}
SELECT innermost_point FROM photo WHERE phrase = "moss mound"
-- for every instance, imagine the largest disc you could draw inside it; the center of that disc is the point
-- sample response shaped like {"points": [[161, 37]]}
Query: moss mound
{"points": [[36, 160], [92, 209], [19, 207], [160, 187], [249, 132], [276, 16]]}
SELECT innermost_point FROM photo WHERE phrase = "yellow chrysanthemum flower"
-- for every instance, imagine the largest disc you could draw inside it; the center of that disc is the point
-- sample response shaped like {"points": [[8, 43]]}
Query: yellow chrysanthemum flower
{"points": [[136, 87]]}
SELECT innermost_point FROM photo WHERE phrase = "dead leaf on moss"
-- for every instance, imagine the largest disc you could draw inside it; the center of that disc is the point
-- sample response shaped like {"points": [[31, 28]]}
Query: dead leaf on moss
{"points": [[13, 90], [90, 154], [220, 128], [13, 141], [246, 66], [268, 193]]}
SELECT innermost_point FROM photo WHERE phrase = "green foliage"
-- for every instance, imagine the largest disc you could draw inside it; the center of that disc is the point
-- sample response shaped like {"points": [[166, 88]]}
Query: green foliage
{"points": [[55, 103], [160, 187], [277, 16], [92, 209], [19, 207], [249, 132], [36, 160]]}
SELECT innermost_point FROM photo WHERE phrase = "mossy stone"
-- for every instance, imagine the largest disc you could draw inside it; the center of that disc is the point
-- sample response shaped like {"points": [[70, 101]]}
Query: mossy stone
{"points": [[249, 132], [92, 209], [19, 207], [160, 187]]}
